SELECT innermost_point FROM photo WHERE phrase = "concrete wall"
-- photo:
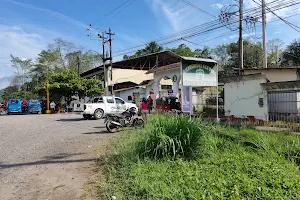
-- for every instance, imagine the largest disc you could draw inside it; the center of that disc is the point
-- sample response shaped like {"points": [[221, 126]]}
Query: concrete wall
{"points": [[136, 76], [241, 99], [158, 80], [276, 75]]}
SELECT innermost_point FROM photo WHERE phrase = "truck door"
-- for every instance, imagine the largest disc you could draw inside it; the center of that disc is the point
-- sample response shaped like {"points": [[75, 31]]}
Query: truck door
{"points": [[110, 105], [121, 105]]}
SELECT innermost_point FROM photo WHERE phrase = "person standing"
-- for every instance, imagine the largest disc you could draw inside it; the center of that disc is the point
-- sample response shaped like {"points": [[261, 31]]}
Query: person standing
{"points": [[52, 106], [150, 102]]}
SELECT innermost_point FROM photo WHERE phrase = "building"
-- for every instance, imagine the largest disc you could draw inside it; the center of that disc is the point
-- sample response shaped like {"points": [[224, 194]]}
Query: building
{"points": [[266, 94]]}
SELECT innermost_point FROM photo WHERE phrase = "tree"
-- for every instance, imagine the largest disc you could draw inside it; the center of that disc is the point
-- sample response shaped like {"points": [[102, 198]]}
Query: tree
{"points": [[152, 47], [183, 50], [67, 84], [203, 53], [22, 67], [274, 48], [291, 55]]}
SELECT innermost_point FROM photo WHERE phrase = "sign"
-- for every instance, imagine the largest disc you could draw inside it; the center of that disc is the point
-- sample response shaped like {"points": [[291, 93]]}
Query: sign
{"points": [[170, 92], [174, 78], [199, 74], [185, 99]]}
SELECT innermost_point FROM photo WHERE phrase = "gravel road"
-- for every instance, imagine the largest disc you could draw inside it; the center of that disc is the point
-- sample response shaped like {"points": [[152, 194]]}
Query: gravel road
{"points": [[47, 156]]}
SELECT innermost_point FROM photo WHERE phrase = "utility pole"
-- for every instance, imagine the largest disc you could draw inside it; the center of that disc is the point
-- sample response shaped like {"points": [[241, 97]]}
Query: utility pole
{"points": [[78, 65], [241, 48], [110, 34], [265, 62], [101, 36]]}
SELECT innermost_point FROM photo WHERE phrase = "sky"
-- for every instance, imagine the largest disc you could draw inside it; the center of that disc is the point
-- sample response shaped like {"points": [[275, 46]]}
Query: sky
{"points": [[28, 26]]}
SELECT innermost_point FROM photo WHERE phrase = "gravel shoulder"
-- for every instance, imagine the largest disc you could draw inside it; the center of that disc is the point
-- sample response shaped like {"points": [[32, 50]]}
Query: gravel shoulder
{"points": [[47, 156]]}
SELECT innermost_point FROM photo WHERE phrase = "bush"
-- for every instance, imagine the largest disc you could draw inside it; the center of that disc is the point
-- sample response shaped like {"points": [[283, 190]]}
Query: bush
{"points": [[169, 136]]}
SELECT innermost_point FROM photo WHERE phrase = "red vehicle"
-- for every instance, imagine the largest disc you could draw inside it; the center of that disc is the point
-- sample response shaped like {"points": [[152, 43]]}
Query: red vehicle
{"points": [[25, 105]]}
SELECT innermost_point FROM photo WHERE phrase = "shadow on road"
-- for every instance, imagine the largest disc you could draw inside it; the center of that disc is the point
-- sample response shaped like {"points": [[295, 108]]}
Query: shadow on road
{"points": [[100, 127], [98, 132], [71, 120], [61, 156], [44, 162]]}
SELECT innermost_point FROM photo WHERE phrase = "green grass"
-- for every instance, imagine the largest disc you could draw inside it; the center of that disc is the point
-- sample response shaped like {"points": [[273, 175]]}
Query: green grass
{"points": [[220, 163]]}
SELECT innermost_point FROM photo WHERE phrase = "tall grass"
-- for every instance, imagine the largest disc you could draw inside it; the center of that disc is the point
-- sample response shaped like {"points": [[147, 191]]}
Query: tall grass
{"points": [[169, 136], [228, 163]]}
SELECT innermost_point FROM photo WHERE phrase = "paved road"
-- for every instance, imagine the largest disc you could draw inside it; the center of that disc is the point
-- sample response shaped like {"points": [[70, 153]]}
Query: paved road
{"points": [[47, 156]]}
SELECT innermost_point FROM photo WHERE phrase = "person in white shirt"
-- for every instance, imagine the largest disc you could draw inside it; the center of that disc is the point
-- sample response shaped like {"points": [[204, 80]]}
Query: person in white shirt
{"points": [[52, 106]]}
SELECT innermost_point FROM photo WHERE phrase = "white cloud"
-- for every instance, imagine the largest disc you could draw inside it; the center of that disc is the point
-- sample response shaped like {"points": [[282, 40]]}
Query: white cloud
{"points": [[50, 12], [178, 16], [217, 5], [5, 81], [14, 40]]}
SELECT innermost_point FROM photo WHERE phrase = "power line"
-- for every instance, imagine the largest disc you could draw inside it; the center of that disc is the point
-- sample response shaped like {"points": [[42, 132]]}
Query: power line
{"points": [[196, 7], [204, 28], [285, 21], [209, 25], [127, 2]]}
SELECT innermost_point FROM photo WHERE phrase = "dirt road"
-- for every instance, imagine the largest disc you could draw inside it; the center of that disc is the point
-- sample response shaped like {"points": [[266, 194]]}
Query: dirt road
{"points": [[47, 156]]}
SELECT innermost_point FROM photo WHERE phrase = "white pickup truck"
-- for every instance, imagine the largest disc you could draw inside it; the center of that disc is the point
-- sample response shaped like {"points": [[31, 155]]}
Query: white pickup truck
{"points": [[101, 106]]}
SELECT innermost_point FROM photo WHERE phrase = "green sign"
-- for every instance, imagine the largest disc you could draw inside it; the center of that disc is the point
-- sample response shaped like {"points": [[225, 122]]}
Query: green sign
{"points": [[174, 78], [199, 74]]}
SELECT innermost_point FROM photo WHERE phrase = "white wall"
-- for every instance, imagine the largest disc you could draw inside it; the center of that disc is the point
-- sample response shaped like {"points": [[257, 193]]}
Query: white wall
{"points": [[241, 99], [276, 75], [169, 73]]}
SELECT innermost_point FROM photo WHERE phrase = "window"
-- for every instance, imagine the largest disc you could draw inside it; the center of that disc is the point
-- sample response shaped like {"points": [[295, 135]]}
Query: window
{"points": [[34, 102], [166, 87], [129, 98], [110, 100], [14, 101], [98, 100], [119, 101]]}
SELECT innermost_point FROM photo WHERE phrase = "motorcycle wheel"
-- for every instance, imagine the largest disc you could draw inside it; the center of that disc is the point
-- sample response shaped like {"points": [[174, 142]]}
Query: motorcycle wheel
{"points": [[111, 127], [139, 123]]}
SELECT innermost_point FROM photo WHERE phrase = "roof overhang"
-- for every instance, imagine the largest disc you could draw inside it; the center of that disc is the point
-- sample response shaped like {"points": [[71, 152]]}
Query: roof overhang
{"points": [[281, 86]]}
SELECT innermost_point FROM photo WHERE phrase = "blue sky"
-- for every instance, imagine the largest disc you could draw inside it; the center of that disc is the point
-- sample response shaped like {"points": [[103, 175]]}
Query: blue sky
{"points": [[27, 26]]}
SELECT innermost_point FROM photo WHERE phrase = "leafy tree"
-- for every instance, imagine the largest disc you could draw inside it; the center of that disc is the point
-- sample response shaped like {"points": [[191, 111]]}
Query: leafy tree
{"points": [[152, 47], [274, 48], [183, 50], [291, 55], [67, 84], [203, 53], [22, 67]]}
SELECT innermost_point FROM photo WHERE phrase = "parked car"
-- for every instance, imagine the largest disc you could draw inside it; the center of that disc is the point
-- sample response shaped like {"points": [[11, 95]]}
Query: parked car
{"points": [[34, 106], [14, 106], [101, 106]]}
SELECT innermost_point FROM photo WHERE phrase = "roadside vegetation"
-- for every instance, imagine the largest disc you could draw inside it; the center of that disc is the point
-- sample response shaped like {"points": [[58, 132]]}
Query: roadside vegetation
{"points": [[179, 158]]}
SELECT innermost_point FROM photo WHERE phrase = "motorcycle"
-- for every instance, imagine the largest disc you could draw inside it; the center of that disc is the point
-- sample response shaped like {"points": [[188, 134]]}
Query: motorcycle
{"points": [[129, 118]]}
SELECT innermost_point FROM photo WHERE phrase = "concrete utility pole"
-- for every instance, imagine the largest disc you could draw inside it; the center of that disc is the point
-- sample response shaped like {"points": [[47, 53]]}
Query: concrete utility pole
{"points": [[78, 65], [241, 48], [101, 36], [265, 62], [110, 34]]}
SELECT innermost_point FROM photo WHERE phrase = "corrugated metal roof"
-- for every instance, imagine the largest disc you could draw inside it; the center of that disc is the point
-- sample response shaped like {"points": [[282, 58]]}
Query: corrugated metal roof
{"points": [[198, 59]]}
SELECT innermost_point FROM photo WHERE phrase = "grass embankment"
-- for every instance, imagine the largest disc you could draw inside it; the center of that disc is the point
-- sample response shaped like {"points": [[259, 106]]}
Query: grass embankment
{"points": [[175, 158]]}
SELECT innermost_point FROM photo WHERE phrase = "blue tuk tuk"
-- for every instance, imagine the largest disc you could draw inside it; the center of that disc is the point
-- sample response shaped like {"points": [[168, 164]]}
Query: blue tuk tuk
{"points": [[14, 106], [34, 106]]}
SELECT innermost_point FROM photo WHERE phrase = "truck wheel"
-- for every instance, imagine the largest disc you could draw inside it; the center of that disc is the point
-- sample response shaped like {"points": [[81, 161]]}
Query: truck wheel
{"points": [[98, 114]]}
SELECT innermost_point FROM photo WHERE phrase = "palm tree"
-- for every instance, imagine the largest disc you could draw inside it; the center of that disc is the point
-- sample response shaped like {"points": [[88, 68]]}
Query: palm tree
{"points": [[152, 47]]}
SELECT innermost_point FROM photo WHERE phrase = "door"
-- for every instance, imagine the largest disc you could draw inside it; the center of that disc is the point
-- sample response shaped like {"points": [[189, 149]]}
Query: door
{"points": [[121, 105], [110, 106]]}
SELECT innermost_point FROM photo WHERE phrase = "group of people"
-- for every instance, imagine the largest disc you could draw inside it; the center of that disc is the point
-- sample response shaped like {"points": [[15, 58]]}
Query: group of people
{"points": [[147, 104]]}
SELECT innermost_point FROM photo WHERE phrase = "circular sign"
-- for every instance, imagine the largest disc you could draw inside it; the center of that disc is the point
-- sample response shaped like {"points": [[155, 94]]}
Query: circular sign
{"points": [[174, 78]]}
